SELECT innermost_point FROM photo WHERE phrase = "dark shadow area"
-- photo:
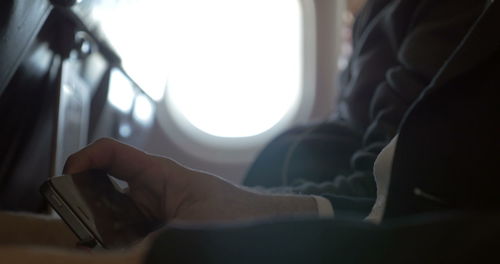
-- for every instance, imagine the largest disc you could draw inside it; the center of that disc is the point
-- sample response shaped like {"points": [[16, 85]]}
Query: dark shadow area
{"points": [[5, 13]]}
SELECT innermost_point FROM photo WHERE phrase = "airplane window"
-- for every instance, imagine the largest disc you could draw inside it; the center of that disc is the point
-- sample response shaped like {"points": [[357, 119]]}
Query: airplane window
{"points": [[231, 68], [236, 65]]}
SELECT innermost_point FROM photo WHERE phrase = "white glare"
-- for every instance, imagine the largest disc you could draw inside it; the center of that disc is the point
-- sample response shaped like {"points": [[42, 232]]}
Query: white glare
{"points": [[125, 130], [143, 110], [233, 66], [135, 30], [121, 91]]}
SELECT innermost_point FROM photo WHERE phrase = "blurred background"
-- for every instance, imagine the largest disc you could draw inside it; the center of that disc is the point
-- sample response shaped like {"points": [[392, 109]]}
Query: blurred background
{"points": [[205, 82]]}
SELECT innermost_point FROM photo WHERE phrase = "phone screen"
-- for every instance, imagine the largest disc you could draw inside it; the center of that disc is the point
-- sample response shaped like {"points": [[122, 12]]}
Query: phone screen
{"points": [[111, 216]]}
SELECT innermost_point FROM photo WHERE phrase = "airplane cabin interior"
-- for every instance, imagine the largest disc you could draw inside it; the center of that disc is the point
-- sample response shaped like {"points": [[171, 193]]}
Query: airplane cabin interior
{"points": [[306, 131]]}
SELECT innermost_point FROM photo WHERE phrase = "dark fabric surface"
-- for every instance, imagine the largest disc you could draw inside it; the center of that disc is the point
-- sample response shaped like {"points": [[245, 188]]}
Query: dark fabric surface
{"points": [[449, 238], [447, 152], [398, 48]]}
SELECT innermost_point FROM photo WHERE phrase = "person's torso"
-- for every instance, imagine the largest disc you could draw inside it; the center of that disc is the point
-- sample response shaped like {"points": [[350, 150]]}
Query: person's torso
{"points": [[447, 154]]}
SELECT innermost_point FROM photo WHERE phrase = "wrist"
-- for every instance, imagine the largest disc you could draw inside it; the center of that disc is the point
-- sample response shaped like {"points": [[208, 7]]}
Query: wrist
{"points": [[288, 205]]}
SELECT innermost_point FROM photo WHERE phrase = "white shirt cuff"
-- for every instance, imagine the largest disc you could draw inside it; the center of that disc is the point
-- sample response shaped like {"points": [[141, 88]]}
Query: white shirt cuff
{"points": [[325, 209]]}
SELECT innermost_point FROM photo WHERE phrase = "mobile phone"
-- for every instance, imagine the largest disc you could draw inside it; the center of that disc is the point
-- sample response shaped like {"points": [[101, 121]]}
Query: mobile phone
{"points": [[97, 210]]}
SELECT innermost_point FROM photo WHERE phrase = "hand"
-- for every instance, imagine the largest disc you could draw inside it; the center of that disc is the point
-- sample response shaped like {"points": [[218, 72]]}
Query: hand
{"points": [[167, 191]]}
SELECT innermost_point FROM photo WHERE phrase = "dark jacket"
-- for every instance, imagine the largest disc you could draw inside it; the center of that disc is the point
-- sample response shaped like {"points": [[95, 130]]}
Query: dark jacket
{"points": [[449, 141]]}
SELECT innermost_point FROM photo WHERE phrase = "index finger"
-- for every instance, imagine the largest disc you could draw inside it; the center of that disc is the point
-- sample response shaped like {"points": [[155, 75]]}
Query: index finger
{"points": [[120, 160]]}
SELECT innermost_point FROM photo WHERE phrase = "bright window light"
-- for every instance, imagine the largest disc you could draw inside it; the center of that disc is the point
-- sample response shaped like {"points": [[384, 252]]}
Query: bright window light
{"points": [[233, 68], [121, 91], [135, 30], [143, 110], [236, 65], [125, 130]]}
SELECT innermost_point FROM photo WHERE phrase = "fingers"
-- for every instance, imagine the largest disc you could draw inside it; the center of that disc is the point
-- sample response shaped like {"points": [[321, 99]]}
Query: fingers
{"points": [[120, 160]]}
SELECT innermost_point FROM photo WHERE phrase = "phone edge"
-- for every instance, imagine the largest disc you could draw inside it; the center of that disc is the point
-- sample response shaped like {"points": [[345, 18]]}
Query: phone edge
{"points": [[71, 219]]}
